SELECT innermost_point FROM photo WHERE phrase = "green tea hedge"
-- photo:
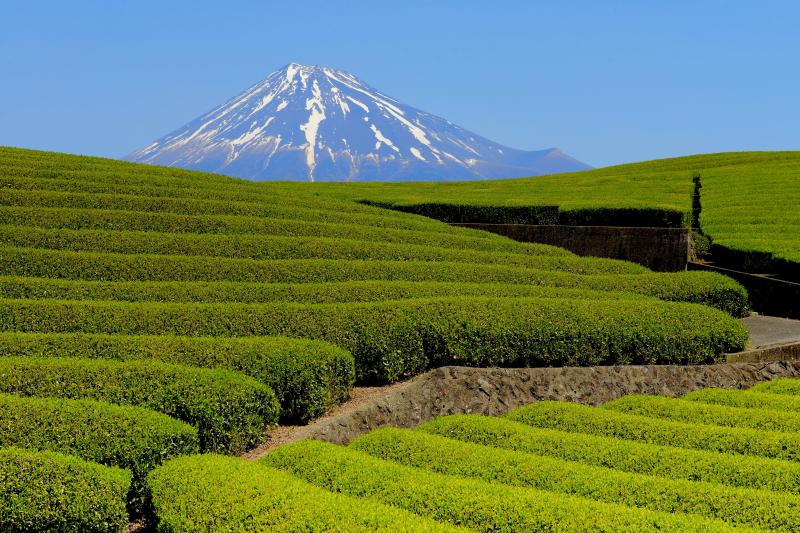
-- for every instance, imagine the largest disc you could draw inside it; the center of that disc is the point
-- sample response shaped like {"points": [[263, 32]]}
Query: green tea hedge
{"points": [[759, 397], [475, 504], [14, 287], [215, 493], [624, 455], [109, 219], [596, 421], [779, 386], [484, 214], [250, 246], [393, 340], [128, 437], [230, 410], [700, 413], [308, 376], [46, 491], [754, 508], [696, 287]]}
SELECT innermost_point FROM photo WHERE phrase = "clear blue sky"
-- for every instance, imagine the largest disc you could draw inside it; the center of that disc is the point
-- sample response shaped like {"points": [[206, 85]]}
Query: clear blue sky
{"points": [[606, 81]]}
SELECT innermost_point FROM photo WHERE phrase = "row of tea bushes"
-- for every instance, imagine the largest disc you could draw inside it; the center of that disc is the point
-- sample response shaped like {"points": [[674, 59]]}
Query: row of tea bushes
{"points": [[748, 507], [479, 505], [231, 411], [308, 377], [697, 287], [394, 340], [249, 246], [91, 497]]}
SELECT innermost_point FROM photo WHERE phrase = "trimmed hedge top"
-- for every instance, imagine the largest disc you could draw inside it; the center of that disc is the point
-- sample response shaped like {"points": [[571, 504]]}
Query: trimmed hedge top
{"points": [[230, 410]]}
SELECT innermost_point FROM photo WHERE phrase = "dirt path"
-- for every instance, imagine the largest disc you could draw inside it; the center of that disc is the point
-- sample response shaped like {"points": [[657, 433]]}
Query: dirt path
{"points": [[286, 434]]}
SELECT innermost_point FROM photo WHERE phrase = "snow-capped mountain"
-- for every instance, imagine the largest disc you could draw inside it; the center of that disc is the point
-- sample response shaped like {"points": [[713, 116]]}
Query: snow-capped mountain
{"points": [[319, 124]]}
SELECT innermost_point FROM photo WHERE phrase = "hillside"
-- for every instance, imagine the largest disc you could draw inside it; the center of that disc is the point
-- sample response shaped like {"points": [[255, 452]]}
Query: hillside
{"points": [[149, 313], [749, 199]]}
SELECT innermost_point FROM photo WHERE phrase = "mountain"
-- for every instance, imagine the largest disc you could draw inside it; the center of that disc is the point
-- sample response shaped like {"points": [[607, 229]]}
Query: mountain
{"points": [[319, 124]]}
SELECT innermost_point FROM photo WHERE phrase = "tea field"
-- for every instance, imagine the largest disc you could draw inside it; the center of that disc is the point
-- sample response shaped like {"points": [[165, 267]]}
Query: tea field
{"points": [[148, 315], [749, 200]]}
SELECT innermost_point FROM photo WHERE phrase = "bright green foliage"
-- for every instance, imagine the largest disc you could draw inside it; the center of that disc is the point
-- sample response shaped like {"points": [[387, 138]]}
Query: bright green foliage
{"points": [[230, 410], [700, 413], [623, 455], [46, 491], [475, 504], [16, 287], [281, 247], [129, 437], [392, 340], [758, 397], [308, 376], [215, 493], [596, 421], [697, 287], [779, 386], [756, 508]]}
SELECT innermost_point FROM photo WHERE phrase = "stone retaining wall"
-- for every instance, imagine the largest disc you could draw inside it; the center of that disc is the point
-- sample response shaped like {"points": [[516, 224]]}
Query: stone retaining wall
{"points": [[661, 249], [495, 391]]}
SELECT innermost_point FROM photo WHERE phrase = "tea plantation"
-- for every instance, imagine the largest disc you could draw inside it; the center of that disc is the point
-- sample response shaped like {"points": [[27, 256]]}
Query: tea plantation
{"points": [[150, 314], [749, 200]]}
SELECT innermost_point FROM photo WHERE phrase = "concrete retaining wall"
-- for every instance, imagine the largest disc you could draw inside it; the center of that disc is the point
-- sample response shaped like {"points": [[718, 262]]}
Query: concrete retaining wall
{"points": [[495, 391], [661, 249]]}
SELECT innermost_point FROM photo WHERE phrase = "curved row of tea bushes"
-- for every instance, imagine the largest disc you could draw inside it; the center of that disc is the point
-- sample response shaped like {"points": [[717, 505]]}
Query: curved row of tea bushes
{"points": [[308, 377], [186, 206], [231, 411], [15, 287], [779, 386], [475, 504], [133, 438], [596, 421], [769, 398], [216, 493], [697, 287], [46, 491], [699, 413], [394, 340], [107, 219], [623, 455], [755, 508], [280, 247]]}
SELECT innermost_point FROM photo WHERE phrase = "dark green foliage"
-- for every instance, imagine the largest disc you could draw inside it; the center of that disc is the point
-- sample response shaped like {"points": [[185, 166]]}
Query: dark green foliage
{"points": [[393, 340], [483, 214], [475, 504], [215, 493], [698, 287], [595, 421], [755, 508], [308, 376], [46, 491], [624, 455], [128, 437], [617, 216], [700, 413], [230, 410]]}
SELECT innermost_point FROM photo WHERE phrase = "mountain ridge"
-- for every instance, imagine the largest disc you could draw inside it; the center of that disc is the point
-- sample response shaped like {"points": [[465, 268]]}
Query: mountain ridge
{"points": [[319, 124]]}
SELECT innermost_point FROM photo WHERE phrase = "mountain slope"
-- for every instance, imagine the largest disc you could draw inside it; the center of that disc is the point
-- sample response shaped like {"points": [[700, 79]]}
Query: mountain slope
{"points": [[314, 123]]}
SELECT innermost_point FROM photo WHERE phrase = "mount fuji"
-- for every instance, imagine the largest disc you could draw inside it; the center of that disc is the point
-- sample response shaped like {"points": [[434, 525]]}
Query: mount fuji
{"points": [[318, 124]]}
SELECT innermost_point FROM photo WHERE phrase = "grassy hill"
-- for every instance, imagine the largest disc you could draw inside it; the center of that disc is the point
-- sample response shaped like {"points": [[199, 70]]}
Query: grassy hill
{"points": [[749, 199], [149, 313]]}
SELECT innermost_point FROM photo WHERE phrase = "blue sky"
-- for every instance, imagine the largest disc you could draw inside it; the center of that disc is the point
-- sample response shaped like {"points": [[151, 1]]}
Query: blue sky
{"points": [[608, 82]]}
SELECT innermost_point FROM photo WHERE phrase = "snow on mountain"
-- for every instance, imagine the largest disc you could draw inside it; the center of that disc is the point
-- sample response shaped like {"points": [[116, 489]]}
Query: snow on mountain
{"points": [[319, 124]]}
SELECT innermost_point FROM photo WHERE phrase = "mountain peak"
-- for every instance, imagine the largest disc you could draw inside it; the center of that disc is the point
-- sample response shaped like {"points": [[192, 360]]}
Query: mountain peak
{"points": [[314, 122]]}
